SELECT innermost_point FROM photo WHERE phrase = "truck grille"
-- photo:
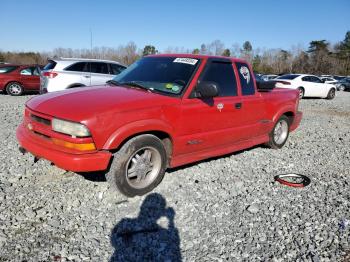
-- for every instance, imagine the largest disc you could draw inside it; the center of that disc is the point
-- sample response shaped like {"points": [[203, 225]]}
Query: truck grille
{"points": [[40, 120]]}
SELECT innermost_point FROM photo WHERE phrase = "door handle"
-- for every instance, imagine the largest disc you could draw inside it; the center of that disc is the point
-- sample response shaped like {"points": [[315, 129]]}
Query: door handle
{"points": [[238, 105], [87, 76]]}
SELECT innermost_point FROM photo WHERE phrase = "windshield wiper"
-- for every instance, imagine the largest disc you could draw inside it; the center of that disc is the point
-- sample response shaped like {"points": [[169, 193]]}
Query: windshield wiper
{"points": [[113, 82], [135, 84]]}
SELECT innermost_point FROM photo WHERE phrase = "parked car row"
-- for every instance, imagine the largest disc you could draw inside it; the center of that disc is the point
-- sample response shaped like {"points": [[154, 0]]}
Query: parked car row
{"points": [[344, 84], [61, 74], [307, 85], [58, 74], [15, 79]]}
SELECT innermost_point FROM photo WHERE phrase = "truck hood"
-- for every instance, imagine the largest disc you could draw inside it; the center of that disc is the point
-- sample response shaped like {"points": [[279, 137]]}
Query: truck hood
{"points": [[84, 103]]}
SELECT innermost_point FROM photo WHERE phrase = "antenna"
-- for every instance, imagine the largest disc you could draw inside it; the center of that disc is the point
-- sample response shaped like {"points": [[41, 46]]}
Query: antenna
{"points": [[90, 42]]}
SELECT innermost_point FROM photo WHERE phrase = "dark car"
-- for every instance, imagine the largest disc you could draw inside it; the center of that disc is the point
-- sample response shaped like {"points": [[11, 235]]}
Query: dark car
{"points": [[344, 84], [15, 79]]}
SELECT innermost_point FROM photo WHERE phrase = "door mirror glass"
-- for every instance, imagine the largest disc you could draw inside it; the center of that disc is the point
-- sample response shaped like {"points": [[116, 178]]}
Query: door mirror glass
{"points": [[206, 89]]}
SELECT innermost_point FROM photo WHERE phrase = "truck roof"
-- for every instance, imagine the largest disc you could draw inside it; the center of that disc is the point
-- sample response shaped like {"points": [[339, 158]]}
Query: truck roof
{"points": [[199, 56]]}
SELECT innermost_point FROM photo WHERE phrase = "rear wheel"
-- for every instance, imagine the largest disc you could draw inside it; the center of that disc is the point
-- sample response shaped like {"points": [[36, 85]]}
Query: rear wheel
{"points": [[279, 134], [139, 166], [341, 88], [301, 92], [14, 89], [331, 94]]}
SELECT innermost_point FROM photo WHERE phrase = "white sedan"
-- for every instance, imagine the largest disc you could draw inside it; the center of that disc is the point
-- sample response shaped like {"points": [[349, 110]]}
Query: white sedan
{"points": [[308, 85]]}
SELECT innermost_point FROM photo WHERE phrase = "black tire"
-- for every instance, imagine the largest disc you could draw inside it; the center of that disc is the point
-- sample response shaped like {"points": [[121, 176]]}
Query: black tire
{"points": [[118, 175], [279, 143], [14, 89], [301, 92], [331, 94]]}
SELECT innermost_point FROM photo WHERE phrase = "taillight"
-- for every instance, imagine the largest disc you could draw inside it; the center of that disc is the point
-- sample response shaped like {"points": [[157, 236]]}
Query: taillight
{"points": [[50, 74]]}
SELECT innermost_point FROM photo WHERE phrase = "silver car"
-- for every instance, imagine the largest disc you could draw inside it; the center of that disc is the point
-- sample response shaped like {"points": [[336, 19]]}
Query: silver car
{"points": [[64, 73]]}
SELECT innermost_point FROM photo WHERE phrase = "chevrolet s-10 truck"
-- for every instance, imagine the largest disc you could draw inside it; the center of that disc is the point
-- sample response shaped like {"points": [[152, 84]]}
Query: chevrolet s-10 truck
{"points": [[163, 111]]}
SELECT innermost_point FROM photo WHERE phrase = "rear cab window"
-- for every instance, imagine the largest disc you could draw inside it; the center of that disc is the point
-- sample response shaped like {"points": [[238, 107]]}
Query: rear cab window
{"points": [[246, 79]]}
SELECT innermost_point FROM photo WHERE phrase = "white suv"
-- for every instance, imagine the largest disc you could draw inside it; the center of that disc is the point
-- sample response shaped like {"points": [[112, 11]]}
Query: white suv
{"points": [[64, 73]]}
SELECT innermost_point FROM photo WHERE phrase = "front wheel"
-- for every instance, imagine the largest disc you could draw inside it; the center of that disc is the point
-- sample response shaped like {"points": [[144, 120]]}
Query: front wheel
{"points": [[279, 134], [14, 89], [139, 166], [331, 94]]}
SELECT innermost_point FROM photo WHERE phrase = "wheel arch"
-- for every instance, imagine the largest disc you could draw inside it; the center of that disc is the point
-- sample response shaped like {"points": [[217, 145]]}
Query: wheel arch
{"points": [[154, 127], [287, 110], [290, 115], [303, 88]]}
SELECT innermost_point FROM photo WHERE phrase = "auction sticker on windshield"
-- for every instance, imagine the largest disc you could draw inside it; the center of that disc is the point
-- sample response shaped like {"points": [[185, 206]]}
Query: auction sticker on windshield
{"points": [[189, 61]]}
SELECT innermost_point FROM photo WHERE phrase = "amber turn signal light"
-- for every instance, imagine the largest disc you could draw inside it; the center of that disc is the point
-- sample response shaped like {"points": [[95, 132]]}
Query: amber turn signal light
{"points": [[81, 147]]}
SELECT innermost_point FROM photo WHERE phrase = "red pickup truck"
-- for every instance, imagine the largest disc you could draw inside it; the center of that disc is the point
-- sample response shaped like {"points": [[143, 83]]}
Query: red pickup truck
{"points": [[162, 111]]}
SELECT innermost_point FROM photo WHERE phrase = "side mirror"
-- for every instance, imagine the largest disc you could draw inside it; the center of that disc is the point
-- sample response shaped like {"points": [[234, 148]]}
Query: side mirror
{"points": [[206, 89]]}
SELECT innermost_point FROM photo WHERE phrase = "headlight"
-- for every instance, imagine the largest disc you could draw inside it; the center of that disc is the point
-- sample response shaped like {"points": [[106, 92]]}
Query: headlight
{"points": [[70, 128]]}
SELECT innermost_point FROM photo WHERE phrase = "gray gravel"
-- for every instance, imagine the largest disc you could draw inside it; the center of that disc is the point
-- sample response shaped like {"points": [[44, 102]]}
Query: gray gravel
{"points": [[228, 208]]}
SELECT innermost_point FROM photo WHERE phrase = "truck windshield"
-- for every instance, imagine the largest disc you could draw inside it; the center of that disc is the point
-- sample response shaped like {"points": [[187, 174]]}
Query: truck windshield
{"points": [[163, 74]]}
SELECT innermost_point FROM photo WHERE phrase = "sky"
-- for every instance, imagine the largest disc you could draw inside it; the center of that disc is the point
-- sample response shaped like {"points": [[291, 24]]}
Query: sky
{"points": [[44, 25]]}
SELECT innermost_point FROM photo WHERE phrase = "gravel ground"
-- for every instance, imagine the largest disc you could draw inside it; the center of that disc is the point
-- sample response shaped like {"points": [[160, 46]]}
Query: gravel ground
{"points": [[227, 208]]}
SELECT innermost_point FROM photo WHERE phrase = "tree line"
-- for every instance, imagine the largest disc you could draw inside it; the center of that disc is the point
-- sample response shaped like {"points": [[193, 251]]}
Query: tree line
{"points": [[321, 57]]}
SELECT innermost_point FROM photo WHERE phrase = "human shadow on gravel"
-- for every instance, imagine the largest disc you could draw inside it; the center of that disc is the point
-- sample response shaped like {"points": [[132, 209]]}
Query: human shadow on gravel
{"points": [[142, 238]]}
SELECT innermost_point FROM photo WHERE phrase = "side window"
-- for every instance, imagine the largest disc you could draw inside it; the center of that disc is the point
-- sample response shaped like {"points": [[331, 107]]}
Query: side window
{"points": [[245, 77], [306, 78], [77, 67], [26, 71], [315, 79], [36, 71], [116, 69], [222, 74], [7, 69], [99, 68]]}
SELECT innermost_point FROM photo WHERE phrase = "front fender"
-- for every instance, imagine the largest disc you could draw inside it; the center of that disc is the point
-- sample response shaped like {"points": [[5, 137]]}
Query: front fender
{"points": [[134, 128]]}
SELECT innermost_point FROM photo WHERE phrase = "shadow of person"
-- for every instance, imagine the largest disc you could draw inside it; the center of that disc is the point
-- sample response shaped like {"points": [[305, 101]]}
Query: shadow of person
{"points": [[143, 239]]}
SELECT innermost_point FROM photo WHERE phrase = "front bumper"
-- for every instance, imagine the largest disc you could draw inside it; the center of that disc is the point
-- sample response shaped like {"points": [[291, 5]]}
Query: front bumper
{"points": [[296, 121], [85, 162]]}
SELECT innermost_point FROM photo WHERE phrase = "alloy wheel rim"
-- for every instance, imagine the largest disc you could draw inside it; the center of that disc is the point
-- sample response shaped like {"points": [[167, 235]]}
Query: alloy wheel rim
{"points": [[15, 89], [280, 132], [143, 167]]}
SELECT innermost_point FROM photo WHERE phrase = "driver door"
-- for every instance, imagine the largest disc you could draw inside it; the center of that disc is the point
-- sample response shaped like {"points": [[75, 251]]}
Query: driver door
{"points": [[212, 122]]}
